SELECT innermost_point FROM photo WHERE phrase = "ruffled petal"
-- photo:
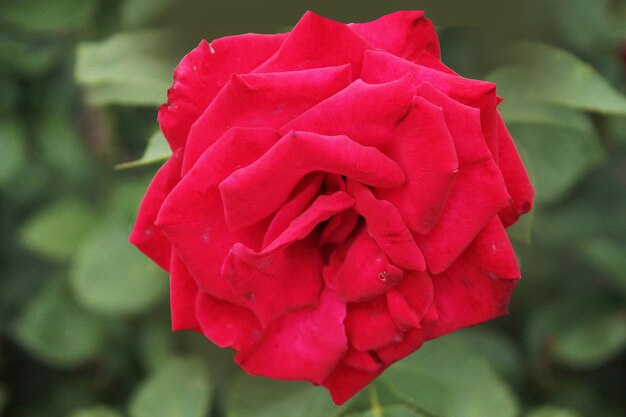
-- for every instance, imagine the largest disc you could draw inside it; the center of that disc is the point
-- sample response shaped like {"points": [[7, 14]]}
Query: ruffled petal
{"points": [[145, 235], [410, 300], [203, 72], [192, 215], [262, 100], [425, 151], [367, 113], [369, 325], [252, 193], [515, 177], [360, 271], [183, 290], [386, 226], [381, 67], [304, 345], [317, 42], [407, 34]]}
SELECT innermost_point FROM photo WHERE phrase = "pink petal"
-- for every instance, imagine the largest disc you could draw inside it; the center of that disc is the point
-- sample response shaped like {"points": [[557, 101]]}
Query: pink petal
{"points": [[317, 42], [275, 283], [227, 324], [386, 226], [424, 150], [203, 72], [145, 235], [406, 34], [346, 381], [183, 291], [192, 216], [515, 177], [262, 100], [410, 300], [304, 345], [369, 325], [381, 67], [252, 193], [360, 271], [367, 113]]}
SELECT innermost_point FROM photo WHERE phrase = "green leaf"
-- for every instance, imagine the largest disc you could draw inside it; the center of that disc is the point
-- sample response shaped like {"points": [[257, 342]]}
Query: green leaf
{"points": [[48, 16], [559, 157], [157, 150], [12, 150], [57, 232], [259, 397], [447, 379], [111, 276], [394, 410], [610, 256], [550, 411], [181, 388], [57, 331], [96, 411], [522, 230], [548, 74], [139, 12], [129, 68]]}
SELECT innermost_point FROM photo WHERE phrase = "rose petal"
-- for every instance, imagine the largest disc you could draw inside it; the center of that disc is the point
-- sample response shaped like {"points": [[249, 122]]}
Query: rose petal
{"points": [[424, 150], [304, 345], [367, 113], [183, 290], [515, 177], [364, 361], [381, 67], [360, 271], [410, 300], [386, 226], [252, 193], [227, 324], [192, 215], [203, 72], [317, 42], [413, 340], [145, 235], [339, 228], [346, 381], [492, 251], [275, 283], [369, 325], [406, 34], [262, 100]]}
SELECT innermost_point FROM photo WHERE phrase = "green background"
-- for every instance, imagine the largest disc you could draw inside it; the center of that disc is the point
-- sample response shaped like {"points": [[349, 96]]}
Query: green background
{"points": [[84, 322]]}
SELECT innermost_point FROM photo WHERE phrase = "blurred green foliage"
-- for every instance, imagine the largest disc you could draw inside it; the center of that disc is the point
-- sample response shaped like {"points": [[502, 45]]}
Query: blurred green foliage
{"points": [[84, 325]]}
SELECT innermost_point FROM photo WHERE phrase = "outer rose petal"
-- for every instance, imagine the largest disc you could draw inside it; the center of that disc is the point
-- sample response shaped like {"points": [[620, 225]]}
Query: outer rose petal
{"points": [[145, 235], [515, 177], [406, 34], [262, 100], [369, 325], [183, 288], [317, 42], [409, 301], [252, 193], [345, 381], [304, 345], [192, 216], [203, 72]]}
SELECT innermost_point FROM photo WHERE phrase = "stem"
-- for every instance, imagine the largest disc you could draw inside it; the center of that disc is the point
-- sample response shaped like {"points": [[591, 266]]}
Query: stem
{"points": [[377, 411]]}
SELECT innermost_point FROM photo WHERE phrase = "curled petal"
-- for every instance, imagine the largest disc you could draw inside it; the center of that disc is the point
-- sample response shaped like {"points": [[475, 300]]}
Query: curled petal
{"points": [[369, 325], [424, 149], [145, 235], [339, 228], [203, 72], [252, 193], [262, 100], [515, 177], [304, 345], [367, 113], [360, 271], [407, 34], [410, 300], [381, 67], [317, 42], [386, 226]]}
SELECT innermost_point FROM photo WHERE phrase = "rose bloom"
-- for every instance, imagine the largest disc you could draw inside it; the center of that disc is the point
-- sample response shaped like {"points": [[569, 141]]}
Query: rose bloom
{"points": [[336, 197]]}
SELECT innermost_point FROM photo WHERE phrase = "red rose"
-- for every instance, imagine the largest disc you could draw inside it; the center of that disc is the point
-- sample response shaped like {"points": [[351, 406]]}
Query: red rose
{"points": [[336, 196]]}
